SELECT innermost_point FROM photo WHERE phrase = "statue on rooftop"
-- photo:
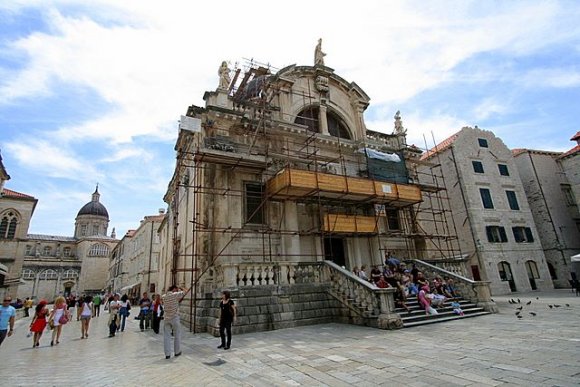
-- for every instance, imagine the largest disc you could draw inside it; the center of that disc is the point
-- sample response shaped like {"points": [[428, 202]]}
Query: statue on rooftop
{"points": [[399, 130], [224, 74], [318, 54]]}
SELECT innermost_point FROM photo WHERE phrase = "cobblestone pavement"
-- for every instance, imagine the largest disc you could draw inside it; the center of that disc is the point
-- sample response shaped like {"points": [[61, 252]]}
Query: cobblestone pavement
{"points": [[491, 350]]}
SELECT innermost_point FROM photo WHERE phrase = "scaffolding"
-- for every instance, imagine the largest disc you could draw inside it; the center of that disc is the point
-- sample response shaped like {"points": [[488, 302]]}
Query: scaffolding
{"points": [[329, 178]]}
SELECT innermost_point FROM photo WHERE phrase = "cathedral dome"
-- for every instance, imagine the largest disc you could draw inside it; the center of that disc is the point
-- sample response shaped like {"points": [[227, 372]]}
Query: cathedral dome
{"points": [[94, 207]]}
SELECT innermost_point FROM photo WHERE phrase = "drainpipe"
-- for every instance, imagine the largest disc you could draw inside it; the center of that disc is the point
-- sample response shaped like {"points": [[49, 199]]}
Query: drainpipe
{"points": [[150, 256]]}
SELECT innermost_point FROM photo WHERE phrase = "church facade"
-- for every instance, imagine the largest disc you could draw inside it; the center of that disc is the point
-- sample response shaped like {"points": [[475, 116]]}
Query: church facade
{"points": [[45, 266]]}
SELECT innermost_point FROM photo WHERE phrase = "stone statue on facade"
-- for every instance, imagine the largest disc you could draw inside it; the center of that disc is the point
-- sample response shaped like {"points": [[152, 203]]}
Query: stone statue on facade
{"points": [[224, 74], [318, 54], [399, 130]]}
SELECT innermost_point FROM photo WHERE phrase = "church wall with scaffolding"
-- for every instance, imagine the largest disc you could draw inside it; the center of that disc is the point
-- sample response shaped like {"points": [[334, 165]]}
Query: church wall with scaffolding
{"points": [[277, 172]]}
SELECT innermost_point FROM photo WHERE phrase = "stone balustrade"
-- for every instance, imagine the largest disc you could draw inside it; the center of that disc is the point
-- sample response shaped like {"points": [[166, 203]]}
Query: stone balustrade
{"points": [[479, 292], [371, 305], [455, 266]]}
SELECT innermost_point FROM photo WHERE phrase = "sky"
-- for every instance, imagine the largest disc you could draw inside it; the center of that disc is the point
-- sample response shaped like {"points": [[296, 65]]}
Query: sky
{"points": [[92, 92]]}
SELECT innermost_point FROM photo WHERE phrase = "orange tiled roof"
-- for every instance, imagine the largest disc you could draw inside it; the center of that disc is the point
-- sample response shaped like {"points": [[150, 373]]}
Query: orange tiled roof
{"points": [[13, 194], [440, 147], [571, 151]]}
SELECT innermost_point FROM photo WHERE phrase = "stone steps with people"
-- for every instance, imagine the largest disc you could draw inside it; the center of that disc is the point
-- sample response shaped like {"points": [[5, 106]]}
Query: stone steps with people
{"points": [[417, 315]]}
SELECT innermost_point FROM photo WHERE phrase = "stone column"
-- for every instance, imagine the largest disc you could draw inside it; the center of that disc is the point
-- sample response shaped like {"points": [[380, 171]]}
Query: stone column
{"points": [[388, 319], [291, 242], [376, 254], [230, 272], [482, 299], [323, 123]]}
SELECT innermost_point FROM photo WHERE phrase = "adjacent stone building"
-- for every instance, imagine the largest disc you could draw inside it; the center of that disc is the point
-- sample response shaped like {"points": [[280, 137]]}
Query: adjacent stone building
{"points": [[553, 203], [488, 202], [16, 210], [134, 264]]}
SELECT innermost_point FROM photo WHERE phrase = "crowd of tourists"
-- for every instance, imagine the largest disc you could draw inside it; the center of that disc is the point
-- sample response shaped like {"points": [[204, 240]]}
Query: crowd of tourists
{"points": [[431, 294], [151, 311]]}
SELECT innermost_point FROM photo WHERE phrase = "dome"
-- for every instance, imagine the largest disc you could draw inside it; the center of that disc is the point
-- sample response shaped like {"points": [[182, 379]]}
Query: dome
{"points": [[94, 207]]}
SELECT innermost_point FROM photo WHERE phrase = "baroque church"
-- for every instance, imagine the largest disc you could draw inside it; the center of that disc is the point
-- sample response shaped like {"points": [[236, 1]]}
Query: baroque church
{"points": [[45, 266]]}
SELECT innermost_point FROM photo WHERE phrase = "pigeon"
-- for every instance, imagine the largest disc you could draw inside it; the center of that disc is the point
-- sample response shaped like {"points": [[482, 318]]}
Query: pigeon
{"points": [[518, 313], [510, 301], [557, 306], [492, 300], [533, 313], [519, 316], [519, 302], [215, 363], [537, 298], [528, 303], [550, 306], [567, 305], [520, 308]]}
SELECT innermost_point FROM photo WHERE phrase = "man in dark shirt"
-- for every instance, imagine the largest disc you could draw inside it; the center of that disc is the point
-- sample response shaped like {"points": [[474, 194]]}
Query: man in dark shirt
{"points": [[144, 314]]}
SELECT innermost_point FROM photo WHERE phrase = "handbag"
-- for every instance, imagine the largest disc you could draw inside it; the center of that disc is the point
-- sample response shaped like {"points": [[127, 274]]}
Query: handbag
{"points": [[64, 318]]}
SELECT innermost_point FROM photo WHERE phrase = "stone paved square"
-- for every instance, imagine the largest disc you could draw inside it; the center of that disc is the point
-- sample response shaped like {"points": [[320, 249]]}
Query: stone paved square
{"points": [[492, 350]]}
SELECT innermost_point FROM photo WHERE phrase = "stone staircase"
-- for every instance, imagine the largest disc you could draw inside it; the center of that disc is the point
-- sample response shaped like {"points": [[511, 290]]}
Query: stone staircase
{"points": [[418, 317]]}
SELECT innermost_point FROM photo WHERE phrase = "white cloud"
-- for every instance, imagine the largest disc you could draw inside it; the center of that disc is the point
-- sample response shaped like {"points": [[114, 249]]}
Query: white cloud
{"points": [[490, 106], [422, 129], [51, 160], [148, 62]]}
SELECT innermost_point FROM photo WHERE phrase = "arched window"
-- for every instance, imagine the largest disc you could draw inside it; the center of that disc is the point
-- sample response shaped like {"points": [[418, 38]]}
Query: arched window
{"points": [[505, 271], [532, 269], [309, 117], [8, 225], [553, 273], [70, 274], [49, 275], [28, 274], [98, 250], [336, 126]]}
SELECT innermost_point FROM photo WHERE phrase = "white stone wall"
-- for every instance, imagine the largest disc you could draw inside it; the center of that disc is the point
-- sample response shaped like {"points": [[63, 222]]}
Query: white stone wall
{"points": [[543, 178], [471, 218]]}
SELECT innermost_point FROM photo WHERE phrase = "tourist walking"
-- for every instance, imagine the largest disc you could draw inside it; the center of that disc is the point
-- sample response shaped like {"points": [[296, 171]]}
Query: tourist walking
{"points": [[227, 317], [38, 322], [157, 313], [27, 306], [96, 306], [144, 313], [7, 317], [114, 307], [171, 323], [59, 316], [85, 313], [124, 311]]}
